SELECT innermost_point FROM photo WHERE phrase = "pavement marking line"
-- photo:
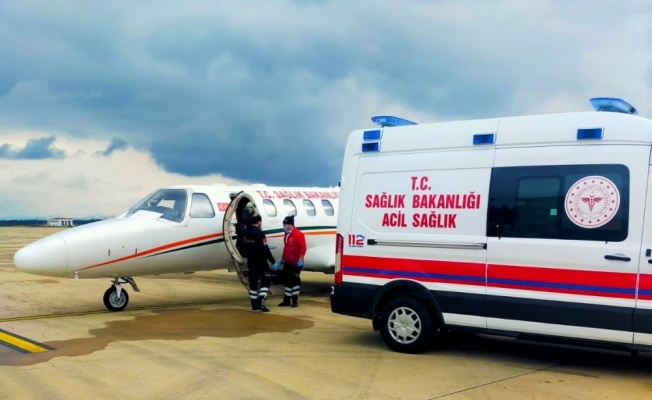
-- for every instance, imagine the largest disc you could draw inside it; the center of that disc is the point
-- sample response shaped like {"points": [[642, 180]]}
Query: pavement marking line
{"points": [[22, 344]]}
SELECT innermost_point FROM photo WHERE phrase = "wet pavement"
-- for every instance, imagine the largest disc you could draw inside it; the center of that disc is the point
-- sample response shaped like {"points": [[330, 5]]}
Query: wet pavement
{"points": [[194, 337]]}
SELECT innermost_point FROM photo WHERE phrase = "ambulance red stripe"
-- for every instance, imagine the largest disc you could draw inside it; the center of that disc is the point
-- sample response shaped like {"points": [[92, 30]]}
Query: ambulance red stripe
{"points": [[417, 266], [542, 279]]}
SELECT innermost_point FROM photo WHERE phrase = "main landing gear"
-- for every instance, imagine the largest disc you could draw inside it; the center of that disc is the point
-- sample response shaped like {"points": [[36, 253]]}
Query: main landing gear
{"points": [[115, 297]]}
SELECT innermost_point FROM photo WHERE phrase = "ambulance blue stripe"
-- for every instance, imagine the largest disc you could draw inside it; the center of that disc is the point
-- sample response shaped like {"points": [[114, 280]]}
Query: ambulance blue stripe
{"points": [[532, 284], [563, 286], [515, 282], [414, 274]]}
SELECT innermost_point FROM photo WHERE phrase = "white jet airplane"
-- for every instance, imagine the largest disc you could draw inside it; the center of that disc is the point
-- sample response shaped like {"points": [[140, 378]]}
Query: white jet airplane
{"points": [[184, 229]]}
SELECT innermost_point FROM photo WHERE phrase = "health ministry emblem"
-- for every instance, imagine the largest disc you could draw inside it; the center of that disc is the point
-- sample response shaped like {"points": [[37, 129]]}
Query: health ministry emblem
{"points": [[592, 202]]}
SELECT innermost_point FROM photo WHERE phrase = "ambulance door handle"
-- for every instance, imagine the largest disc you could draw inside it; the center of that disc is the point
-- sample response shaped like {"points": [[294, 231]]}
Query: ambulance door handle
{"points": [[617, 258]]}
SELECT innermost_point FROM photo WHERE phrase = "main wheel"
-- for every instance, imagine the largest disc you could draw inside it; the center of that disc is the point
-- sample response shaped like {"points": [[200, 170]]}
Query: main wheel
{"points": [[111, 300], [406, 325]]}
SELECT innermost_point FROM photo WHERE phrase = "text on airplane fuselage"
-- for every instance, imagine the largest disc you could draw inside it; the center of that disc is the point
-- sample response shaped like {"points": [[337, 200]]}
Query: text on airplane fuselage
{"points": [[298, 194]]}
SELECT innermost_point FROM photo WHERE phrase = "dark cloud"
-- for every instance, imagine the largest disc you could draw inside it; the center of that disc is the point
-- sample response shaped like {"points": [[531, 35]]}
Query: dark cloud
{"points": [[268, 93], [116, 144], [35, 149]]}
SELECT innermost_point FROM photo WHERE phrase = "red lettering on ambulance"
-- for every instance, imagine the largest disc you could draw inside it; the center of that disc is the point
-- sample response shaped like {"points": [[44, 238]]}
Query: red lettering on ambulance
{"points": [[394, 220], [434, 220]]}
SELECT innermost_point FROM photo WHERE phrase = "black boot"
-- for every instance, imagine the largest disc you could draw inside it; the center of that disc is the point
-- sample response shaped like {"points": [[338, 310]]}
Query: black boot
{"points": [[285, 302], [254, 305], [295, 301], [261, 305]]}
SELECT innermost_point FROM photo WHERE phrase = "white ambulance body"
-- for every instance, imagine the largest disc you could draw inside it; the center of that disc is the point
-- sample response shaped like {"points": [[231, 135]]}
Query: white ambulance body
{"points": [[534, 226]]}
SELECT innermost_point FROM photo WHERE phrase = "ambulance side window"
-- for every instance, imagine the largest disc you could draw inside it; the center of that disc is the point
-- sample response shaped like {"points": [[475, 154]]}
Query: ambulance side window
{"points": [[269, 207], [569, 202], [201, 206], [536, 205]]}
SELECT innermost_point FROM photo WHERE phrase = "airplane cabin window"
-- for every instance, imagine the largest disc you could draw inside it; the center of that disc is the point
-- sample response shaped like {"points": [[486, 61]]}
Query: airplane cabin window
{"points": [[201, 206], [270, 208], [328, 207], [310, 208], [290, 207]]}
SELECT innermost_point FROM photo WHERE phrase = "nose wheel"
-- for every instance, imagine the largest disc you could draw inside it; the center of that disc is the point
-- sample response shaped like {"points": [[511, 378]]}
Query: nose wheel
{"points": [[116, 298]]}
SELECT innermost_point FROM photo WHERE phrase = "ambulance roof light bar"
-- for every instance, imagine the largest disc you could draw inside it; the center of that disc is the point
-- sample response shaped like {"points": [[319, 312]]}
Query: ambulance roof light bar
{"points": [[390, 121], [612, 104]]}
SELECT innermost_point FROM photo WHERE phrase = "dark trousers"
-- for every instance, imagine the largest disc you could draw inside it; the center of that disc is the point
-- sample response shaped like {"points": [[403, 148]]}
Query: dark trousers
{"points": [[291, 280], [262, 274]]}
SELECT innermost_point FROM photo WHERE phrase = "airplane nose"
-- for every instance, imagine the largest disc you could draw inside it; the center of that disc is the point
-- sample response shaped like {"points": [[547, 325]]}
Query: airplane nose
{"points": [[47, 257]]}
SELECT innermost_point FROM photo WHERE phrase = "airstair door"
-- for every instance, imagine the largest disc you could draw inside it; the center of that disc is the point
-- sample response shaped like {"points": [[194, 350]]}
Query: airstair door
{"points": [[230, 232]]}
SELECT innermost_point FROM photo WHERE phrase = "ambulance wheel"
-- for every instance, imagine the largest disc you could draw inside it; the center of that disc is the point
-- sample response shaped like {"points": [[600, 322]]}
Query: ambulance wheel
{"points": [[111, 300], [406, 325]]}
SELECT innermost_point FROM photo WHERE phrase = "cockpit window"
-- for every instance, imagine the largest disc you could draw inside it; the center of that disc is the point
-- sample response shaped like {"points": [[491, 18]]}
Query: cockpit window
{"points": [[170, 203]]}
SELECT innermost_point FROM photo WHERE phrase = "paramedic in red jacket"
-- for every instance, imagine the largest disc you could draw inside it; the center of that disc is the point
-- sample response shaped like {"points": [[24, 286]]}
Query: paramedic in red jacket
{"points": [[292, 261]]}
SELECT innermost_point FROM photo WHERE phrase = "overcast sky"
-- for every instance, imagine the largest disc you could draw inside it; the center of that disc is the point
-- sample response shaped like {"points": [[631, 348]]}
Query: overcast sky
{"points": [[102, 102]]}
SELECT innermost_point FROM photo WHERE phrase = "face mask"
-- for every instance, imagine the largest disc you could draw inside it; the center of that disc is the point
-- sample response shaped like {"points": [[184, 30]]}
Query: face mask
{"points": [[287, 230]]}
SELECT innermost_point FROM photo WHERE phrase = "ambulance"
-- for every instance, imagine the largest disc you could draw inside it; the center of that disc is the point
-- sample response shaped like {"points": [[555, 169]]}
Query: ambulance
{"points": [[536, 227]]}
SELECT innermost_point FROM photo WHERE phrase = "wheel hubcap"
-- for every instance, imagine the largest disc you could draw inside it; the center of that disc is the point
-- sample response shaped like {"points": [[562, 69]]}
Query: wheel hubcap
{"points": [[404, 325], [115, 300]]}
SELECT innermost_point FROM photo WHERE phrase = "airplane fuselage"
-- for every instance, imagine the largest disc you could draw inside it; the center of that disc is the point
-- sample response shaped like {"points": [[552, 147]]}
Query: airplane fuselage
{"points": [[185, 228]]}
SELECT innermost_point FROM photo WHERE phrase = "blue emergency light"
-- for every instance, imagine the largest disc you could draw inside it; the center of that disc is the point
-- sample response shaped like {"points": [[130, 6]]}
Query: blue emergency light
{"points": [[373, 135], [612, 104], [390, 121], [370, 147], [484, 138], [590, 133]]}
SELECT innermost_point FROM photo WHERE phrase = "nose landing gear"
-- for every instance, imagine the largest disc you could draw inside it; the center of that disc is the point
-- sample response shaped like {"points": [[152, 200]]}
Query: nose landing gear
{"points": [[115, 297]]}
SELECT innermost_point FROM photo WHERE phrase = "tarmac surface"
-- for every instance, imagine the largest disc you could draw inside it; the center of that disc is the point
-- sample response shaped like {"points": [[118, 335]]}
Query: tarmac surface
{"points": [[195, 337]]}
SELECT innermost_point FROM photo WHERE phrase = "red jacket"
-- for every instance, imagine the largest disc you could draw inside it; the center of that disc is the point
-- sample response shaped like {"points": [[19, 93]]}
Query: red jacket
{"points": [[295, 246]]}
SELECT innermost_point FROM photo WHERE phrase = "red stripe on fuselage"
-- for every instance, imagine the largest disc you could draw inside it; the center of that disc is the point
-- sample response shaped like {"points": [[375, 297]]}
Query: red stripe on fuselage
{"points": [[282, 235], [155, 250]]}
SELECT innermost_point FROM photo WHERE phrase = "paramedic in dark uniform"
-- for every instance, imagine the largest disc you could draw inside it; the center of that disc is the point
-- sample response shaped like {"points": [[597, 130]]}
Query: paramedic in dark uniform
{"points": [[293, 252], [254, 244]]}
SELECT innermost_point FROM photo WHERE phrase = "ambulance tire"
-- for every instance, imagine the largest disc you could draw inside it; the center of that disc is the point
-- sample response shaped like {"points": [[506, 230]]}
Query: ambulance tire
{"points": [[406, 325]]}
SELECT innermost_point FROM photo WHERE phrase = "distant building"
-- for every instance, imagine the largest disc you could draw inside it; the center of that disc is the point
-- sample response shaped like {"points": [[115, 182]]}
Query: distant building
{"points": [[60, 222]]}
